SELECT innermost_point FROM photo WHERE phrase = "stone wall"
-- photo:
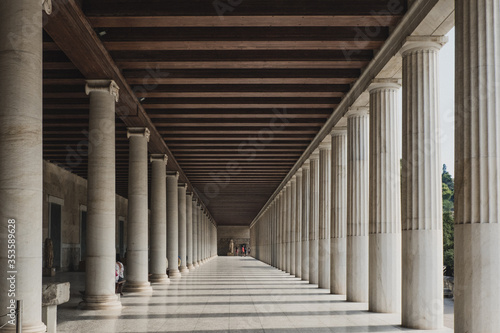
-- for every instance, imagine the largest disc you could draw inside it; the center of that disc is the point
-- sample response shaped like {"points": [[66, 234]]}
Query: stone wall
{"points": [[240, 235], [70, 191]]}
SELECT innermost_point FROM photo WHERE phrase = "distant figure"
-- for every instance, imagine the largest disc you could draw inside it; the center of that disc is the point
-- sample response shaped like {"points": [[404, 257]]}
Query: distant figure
{"points": [[119, 274], [237, 251], [243, 251]]}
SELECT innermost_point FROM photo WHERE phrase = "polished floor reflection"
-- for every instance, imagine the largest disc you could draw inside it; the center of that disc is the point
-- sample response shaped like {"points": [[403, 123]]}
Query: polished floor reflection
{"points": [[228, 294]]}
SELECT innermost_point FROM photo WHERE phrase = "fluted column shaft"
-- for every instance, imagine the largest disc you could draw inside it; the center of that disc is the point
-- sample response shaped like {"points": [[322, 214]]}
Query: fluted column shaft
{"points": [[137, 224], [200, 235], [338, 239], [195, 233], [357, 205], [477, 165], [173, 224], [306, 203], [101, 198], [422, 236], [290, 251], [286, 225], [298, 224], [21, 165], [293, 218], [385, 199], [276, 231], [280, 231], [314, 218], [325, 160], [182, 227], [158, 219], [202, 238], [189, 231]]}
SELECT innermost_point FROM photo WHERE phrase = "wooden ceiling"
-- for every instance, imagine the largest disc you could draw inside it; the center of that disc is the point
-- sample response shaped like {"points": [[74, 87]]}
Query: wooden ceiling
{"points": [[232, 90]]}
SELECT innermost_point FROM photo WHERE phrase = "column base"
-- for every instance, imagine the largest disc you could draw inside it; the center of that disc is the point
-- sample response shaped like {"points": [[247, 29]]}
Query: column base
{"points": [[190, 267], [159, 279], [108, 302], [36, 328], [196, 264], [138, 287], [174, 274], [184, 269]]}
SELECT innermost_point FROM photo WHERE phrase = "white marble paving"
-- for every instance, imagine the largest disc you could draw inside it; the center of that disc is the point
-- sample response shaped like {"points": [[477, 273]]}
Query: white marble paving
{"points": [[228, 294]]}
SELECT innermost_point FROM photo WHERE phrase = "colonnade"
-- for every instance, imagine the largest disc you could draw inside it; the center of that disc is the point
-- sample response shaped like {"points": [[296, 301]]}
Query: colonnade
{"points": [[365, 228], [385, 216], [21, 186]]}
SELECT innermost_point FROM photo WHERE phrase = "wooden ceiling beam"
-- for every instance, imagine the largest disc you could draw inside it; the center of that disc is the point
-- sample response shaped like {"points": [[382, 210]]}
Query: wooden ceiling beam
{"points": [[191, 95], [211, 81], [166, 65], [266, 55], [245, 21], [238, 45], [231, 106]]}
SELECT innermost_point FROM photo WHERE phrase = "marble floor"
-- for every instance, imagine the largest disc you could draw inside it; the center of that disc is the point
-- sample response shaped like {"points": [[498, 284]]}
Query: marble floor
{"points": [[228, 294]]}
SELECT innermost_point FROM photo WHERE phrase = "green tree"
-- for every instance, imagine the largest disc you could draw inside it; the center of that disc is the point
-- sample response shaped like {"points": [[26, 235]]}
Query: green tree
{"points": [[448, 222]]}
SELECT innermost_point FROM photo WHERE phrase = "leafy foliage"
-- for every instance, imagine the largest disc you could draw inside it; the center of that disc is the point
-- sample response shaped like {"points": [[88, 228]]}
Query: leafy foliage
{"points": [[448, 222]]}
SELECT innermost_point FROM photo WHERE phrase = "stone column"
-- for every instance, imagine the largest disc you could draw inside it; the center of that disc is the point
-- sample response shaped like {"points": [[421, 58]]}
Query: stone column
{"points": [[21, 165], [477, 143], [306, 202], [101, 253], [202, 228], [137, 222], [205, 238], [314, 218], [298, 224], [195, 233], [286, 229], [158, 219], [273, 233], [422, 217], [182, 227], [280, 229], [293, 219], [338, 246], [357, 205], [200, 235], [173, 223], [189, 230], [385, 199], [325, 149]]}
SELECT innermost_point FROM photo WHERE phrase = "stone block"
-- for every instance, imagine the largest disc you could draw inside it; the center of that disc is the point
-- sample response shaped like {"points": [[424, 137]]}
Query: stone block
{"points": [[55, 293]]}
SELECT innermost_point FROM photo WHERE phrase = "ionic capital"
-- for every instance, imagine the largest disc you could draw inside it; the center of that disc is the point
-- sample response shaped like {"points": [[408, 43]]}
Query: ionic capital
{"points": [[158, 158], [358, 111], [339, 131], [314, 155], [306, 165], [383, 84], [138, 131], [108, 86], [420, 43], [173, 174], [326, 144], [47, 6]]}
